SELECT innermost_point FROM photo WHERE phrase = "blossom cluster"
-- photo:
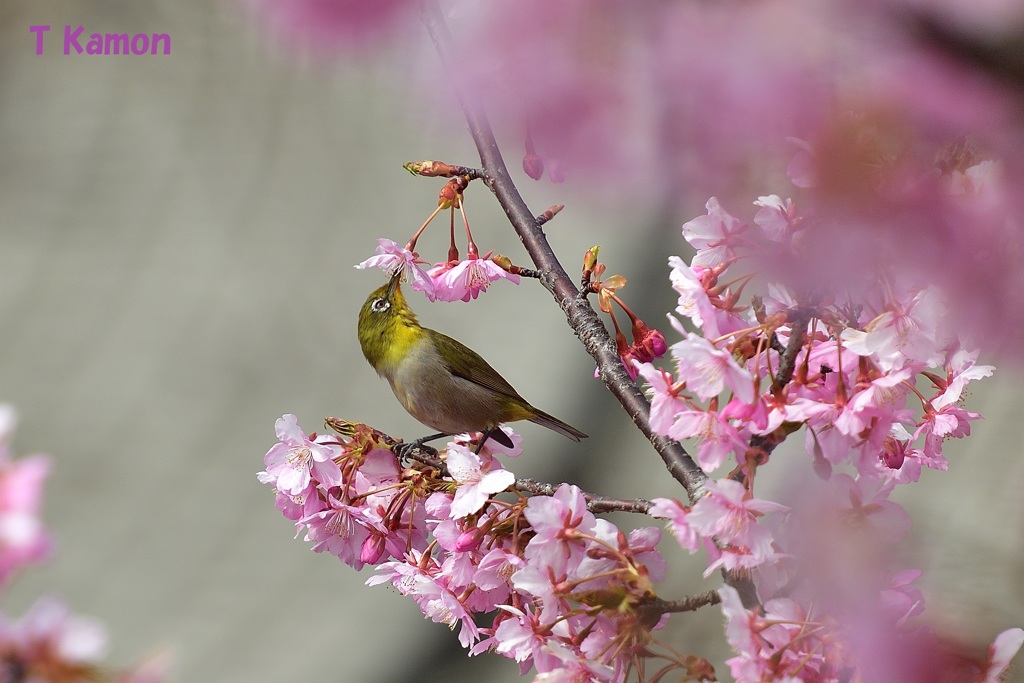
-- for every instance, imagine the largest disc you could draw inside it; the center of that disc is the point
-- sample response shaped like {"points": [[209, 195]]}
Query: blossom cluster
{"points": [[680, 94], [48, 642], [839, 316], [568, 592], [23, 538], [644, 101], [874, 377], [457, 280], [865, 368]]}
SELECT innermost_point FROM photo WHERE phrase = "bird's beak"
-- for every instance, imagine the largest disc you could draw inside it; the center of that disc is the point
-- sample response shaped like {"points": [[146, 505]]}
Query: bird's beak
{"points": [[395, 280]]}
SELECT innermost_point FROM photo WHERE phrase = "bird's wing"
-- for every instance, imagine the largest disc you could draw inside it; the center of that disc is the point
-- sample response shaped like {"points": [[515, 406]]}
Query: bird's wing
{"points": [[466, 363]]}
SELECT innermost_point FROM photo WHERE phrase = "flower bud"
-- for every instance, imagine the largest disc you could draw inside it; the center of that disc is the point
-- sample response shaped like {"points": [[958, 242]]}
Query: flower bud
{"points": [[470, 540], [373, 549], [556, 172], [893, 453], [533, 165], [550, 213], [431, 168], [649, 343], [505, 263], [590, 258], [450, 196]]}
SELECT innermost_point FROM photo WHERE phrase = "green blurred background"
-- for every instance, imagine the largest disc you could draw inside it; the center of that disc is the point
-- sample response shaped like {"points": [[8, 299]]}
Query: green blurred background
{"points": [[177, 238]]}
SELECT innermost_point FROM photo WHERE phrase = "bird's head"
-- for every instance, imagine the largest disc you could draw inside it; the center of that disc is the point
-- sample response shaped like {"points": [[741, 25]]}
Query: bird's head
{"points": [[386, 322]]}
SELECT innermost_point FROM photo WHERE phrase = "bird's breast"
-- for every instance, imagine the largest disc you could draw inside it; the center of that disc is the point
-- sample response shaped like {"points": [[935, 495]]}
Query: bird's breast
{"points": [[448, 403]]}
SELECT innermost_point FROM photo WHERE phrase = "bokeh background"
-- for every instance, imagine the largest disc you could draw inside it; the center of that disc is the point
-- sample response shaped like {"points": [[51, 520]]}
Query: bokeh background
{"points": [[177, 236]]}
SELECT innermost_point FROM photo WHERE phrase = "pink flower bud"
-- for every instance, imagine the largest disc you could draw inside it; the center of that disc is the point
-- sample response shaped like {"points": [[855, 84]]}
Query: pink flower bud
{"points": [[533, 166], [469, 540], [893, 453], [373, 550]]}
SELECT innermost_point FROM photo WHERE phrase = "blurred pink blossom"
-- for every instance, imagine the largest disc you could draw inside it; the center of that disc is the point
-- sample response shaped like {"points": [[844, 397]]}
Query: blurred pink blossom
{"points": [[332, 26]]}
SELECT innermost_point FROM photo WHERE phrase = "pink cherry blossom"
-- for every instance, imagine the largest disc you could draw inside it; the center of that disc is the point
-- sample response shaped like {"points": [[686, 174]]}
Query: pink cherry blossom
{"points": [[665, 401], [477, 481], [961, 369], [332, 26], [1003, 649], [558, 520], [740, 624], [340, 530], [708, 370], [901, 601], [572, 667], [392, 258], [431, 593], [728, 514], [676, 514], [717, 439], [465, 280], [521, 636], [694, 302], [23, 538], [776, 217], [901, 462], [712, 235], [296, 461], [864, 504], [496, 568], [904, 333], [50, 627]]}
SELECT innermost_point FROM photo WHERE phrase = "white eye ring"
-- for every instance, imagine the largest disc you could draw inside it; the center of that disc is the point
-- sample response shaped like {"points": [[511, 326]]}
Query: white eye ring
{"points": [[379, 305]]}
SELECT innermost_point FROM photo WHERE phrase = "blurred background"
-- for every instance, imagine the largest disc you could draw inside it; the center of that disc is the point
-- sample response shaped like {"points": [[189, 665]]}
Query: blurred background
{"points": [[176, 271]]}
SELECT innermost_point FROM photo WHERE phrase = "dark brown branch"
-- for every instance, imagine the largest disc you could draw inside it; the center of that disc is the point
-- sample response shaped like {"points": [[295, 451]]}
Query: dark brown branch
{"points": [[691, 603], [797, 337], [579, 314], [765, 444], [595, 503]]}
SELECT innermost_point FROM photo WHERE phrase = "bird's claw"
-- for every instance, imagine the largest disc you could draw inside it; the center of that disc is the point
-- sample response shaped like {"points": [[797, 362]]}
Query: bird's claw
{"points": [[403, 450]]}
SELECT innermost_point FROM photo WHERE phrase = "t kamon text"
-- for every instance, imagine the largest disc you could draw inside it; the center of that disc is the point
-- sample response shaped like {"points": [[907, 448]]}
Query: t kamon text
{"points": [[76, 41]]}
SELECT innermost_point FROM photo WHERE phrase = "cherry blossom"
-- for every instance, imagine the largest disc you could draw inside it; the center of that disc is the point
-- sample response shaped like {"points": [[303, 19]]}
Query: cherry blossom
{"points": [[391, 258], [708, 370], [712, 235], [296, 460], [465, 280], [477, 480]]}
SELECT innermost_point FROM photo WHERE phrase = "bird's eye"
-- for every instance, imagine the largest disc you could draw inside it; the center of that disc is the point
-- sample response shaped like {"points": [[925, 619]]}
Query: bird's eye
{"points": [[380, 305]]}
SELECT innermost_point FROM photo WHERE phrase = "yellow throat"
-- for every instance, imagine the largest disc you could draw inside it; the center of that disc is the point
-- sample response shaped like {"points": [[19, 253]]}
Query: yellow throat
{"points": [[388, 328]]}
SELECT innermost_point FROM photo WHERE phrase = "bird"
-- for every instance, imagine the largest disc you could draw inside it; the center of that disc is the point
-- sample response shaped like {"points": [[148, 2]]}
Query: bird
{"points": [[440, 381]]}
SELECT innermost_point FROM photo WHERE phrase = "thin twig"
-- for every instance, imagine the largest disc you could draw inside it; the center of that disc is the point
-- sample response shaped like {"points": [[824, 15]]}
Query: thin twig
{"points": [[579, 314], [550, 213]]}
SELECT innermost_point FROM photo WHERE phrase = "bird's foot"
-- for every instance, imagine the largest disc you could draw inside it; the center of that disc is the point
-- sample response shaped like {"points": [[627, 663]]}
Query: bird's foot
{"points": [[404, 450]]}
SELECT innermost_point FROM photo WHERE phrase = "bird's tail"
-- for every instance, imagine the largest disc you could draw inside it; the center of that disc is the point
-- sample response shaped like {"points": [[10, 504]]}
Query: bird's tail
{"points": [[554, 424]]}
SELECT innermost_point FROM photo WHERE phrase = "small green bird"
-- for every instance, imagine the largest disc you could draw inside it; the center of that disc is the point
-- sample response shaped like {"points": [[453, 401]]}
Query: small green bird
{"points": [[439, 381]]}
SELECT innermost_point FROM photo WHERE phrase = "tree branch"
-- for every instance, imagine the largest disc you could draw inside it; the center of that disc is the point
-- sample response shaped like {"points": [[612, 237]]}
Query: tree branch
{"points": [[691, 603], [578, 312], [797, 337], [595, 503]]}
